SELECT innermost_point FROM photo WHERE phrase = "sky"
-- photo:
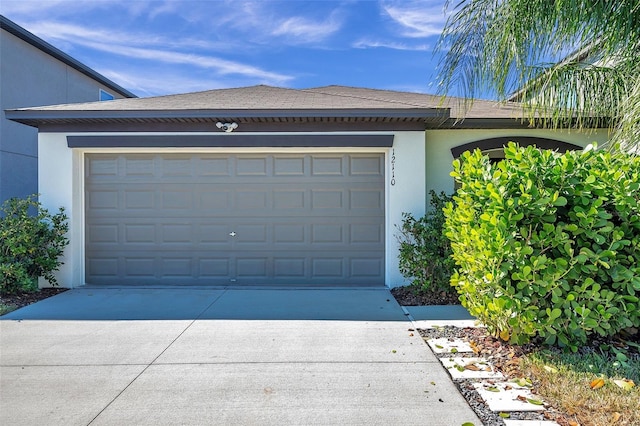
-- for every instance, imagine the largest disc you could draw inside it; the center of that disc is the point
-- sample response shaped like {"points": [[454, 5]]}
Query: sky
{"points": [[158, 47]]}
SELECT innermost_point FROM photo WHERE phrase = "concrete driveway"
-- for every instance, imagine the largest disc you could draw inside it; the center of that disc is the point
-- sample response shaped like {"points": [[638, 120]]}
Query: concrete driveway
{"points": [[197, 356]]}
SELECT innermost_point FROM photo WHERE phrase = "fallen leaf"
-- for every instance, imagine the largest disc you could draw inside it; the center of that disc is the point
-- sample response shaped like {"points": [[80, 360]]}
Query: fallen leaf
{"points": [[504, 335], [550, 369], [572, 423], [472, 367], [454, 351], [625, 384], [522, 382], [439, 346], [596, 383], [504, 415], [615, 417], [534, 401], [521, 398], [468, 424], [493, 389]]}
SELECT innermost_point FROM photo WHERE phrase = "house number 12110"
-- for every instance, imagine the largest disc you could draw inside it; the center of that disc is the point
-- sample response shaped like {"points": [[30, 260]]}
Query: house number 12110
{"points": [[393, 167]]}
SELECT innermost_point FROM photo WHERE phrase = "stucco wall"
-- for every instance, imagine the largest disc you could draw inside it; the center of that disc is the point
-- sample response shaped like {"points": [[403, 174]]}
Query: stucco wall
{"points": [[61, 180], [31, 77], [439, 144]]}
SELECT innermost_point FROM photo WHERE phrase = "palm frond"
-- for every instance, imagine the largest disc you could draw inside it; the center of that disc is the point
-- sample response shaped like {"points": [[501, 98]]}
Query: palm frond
{"points": [[497, 47]]}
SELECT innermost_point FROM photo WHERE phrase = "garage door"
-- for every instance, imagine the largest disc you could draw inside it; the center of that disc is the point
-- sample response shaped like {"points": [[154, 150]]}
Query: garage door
{"points": [[235, 219]]}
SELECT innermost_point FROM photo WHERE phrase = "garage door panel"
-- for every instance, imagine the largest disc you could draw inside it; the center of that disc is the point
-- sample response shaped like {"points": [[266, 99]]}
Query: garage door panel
{"points": [[176, 166], [101, 267], [211, 219], [217, 199], [251, 166], [290, 199], [290, 233], [290, 267], [177, 267], [219, 267], [366, 199], [139, 165], [176, 233], [327, 165], [365, 267], [367, 166], [366, 233], [143, 266], [289, 166], [101, 200], [142, 199]]}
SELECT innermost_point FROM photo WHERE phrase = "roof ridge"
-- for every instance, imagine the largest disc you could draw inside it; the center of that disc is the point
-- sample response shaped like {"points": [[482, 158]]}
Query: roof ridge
{"points": [[319, 90]]}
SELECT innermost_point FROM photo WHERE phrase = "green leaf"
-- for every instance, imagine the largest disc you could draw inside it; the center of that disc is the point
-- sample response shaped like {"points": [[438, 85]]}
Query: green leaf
{"points": [[560, 202]]}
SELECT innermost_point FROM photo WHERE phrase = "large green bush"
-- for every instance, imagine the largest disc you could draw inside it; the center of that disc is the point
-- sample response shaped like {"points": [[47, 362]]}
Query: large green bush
{"points": [[425, 252], [31, 243], [546, 244]]}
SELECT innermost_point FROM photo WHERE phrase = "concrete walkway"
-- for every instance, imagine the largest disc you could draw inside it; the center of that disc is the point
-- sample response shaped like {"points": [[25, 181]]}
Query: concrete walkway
{"points": [[200, 356]]}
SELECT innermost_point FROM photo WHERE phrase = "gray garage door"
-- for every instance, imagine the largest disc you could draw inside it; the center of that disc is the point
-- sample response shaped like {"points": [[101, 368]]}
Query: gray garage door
{"points": [[240, 219]]}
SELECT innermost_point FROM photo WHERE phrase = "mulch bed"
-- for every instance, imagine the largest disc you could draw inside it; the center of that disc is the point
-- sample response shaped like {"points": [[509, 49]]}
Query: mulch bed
{"points": [[410, 296], [23, 299], [504, 356]]}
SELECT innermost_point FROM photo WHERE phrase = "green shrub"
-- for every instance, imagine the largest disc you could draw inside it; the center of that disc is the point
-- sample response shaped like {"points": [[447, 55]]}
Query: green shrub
{"points": [[546, 244], [31, 243], [425, 252]]}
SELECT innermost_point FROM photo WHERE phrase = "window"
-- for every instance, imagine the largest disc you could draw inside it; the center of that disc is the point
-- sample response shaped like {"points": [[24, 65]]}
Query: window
{"points": [[106, 96], [494, 147]]}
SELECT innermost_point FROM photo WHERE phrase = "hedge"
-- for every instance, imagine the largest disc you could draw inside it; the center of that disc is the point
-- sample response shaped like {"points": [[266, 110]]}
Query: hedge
{"points": [[548, 244]]}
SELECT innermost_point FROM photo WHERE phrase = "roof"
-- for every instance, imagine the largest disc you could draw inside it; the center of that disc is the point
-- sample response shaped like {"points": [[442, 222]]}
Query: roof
{"points": [[16, 30], [267, 104]]}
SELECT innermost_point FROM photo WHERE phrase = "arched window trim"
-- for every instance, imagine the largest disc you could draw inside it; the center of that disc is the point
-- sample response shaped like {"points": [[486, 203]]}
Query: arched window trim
{"points": [[501, 142]]}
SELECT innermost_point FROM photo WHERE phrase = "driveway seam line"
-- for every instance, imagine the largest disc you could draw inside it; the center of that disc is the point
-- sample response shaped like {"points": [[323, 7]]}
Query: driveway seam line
{"points": [[154, 360]]}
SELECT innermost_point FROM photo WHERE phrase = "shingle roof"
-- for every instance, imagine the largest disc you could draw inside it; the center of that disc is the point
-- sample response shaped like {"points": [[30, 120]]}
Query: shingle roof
{"points": [[267, 102]]}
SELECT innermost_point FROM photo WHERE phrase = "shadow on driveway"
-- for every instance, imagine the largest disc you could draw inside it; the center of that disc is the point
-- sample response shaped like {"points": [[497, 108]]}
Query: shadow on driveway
{"points": [[86, 304]]}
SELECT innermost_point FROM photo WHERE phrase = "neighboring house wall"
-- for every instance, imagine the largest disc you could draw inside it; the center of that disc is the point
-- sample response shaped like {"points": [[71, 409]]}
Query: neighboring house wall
{"points": [[32, 77], [62, 184], [440, 142]]}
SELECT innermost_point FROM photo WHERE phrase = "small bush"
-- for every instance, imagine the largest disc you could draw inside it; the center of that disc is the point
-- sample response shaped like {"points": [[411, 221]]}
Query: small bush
{"points": [[546, 244], [31, 243], [425, 252]]}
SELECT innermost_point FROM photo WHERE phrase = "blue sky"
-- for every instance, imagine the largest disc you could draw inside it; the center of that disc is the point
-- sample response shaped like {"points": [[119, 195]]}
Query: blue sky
{"points": [[156, 47]]}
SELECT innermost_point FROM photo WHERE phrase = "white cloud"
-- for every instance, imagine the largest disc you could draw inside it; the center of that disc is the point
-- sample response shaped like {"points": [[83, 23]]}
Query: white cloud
{"points": [[130, 45], [143, 84], [306, 30], [417, 18], [269, 22], [221, 66], [39, 9], [78, 34], [367, 44]]}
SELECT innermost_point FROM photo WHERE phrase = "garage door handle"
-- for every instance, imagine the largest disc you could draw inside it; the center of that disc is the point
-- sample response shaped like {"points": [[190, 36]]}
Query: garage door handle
{"points": [[232, 234]]}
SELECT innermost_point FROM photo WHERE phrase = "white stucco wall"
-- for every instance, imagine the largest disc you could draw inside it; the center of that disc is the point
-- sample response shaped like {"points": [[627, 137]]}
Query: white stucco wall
{"points": [[61, 182], [58, 169], [439, 144]]}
